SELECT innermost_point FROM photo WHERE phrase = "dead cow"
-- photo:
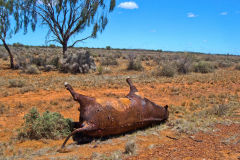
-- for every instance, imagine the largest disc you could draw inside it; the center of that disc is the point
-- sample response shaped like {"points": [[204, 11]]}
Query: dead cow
{"points": [[102, 118]]}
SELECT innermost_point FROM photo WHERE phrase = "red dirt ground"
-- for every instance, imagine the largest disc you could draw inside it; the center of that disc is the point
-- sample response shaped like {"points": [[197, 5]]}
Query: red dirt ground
{"points": [[166, 144]]}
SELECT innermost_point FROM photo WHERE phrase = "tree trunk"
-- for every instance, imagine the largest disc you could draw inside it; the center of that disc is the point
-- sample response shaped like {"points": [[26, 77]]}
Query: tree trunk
{"points": [[64, 48], [10, 55]]}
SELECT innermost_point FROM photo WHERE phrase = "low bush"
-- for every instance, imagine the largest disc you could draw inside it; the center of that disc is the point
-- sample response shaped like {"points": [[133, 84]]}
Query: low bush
{"points": [[3, 108], [237, 67], [38, 61], [18, 44], [2, 55], [49, 125], [203, 67], [166, 70], [54, 61], [14, 83], [107, 61], [130, 147], [184, 65], [134, 64], [108, 47], [52, 46], [103, 70], [32, 69], [224, 64]]}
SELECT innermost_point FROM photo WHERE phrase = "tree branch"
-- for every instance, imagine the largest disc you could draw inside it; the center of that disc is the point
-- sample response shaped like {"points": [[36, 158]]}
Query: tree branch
{"points": [[80, 41]]}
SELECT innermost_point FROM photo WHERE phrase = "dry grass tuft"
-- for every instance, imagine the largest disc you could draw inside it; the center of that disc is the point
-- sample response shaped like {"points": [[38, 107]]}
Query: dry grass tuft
{"points": [[130, 147]]}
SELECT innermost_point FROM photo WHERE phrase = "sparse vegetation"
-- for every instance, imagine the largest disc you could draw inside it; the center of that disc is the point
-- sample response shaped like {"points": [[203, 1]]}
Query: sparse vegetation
{"points": [[130, 147], [48, 125], [3, 108], [108, 61], [224, 64], [103, 70], [32, 69], [203, 67], [15, 83], [197, 102], [237, 67], [134, 64], [166, 70], [184, 65], [202, 120], [108, 47]]}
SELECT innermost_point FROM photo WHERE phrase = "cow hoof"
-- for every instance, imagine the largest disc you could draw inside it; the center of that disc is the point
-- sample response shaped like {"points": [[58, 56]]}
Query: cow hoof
{"points": [[65, 84], [64, 150]]}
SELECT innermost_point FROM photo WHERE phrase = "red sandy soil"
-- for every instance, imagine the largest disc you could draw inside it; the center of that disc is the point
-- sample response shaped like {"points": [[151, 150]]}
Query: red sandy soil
{"points": [[165, 145]]}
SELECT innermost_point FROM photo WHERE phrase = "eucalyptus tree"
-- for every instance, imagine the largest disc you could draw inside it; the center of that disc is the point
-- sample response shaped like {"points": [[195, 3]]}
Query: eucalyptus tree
{"points": [[12, 19], [6, 11], [68, 18]]}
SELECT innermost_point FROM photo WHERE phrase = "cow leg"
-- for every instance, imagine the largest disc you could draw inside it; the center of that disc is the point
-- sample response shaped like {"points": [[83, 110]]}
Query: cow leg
{"points": [[79, 130], [76, 125], [133, 89], [71, 90], [83, 100]]}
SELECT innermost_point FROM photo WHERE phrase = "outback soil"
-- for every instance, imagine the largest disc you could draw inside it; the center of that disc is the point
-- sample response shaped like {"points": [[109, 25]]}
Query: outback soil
{"points": [[220, 142]]}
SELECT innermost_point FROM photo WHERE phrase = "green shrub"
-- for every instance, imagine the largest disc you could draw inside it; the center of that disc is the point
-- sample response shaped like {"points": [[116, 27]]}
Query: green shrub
{"points": [[103, 70], [107, 61], [166, 70], [54, 61], [18, 44], [39, 61], [2, 55], [130, 147], [108, 47], [52, 46], [32, 69], [237, 67], [184, 65], [224, 64], [14, 83], [3, 109], [50, 125], [134, 64], [203, 67]]}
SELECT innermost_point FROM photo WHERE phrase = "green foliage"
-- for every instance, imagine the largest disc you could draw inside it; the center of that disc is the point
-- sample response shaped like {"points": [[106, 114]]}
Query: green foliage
{"points": [[109, 60], [32, 69], [68, 18], [54, 61], [203, 67], [13, 83], [49, 125], [108, 47], [224, 64], [134, 64], [3, 108], [237, 67], [103, 70], [130, 147], [184, 65], [18, 45], [37, 60], [52, 46], [9, 10], [166, 70], [100, 70]]}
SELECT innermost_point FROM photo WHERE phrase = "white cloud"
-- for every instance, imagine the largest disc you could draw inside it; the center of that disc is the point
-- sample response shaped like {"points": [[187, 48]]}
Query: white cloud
{"points": [[128, 5], [191, 15], [224, 13]]}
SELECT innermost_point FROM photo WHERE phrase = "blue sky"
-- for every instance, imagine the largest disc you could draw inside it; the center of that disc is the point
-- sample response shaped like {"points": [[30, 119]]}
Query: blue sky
{"points": [[209, 26]]}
